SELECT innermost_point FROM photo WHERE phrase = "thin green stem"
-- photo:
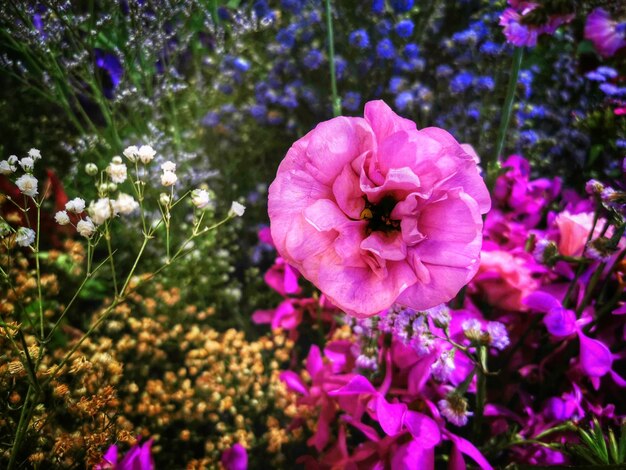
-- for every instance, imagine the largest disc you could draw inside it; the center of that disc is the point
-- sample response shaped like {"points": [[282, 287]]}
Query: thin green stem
{"points": [[507, 111], [38, 270], [107, 237], [481, 390], [331, 60], [21, 428]]}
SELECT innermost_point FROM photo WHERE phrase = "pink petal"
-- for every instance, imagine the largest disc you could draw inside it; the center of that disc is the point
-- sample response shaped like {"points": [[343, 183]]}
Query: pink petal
{"points": [[595, 357], [293, 382], [413, 456], [357, 386], [314, 362], [347, 192], [424, 429], [541, 301], [390, 415], [383, 121], [387, 246], [468, 449], [560, 322]]}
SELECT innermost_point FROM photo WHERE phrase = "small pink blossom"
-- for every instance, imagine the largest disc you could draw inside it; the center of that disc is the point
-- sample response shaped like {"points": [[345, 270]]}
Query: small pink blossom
{"points": [[574, 230], [374, 211]]}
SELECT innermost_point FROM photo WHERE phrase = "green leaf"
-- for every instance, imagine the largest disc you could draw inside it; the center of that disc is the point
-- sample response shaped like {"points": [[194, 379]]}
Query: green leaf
{"points": [[622, 443], [613, 446]]}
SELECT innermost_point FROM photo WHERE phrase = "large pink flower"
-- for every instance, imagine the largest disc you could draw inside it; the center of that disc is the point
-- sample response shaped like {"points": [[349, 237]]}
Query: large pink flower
{"points": [[373, 211]]}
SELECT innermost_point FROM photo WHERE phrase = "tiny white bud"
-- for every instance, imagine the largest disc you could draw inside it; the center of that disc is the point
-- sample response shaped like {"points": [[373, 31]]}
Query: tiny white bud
{"points": [[131, 153], [164, 199], [34, 153], [62, 218], [168, 178], [236, 209], [25, 236], [146, 154], [76, 205], [91, 169], [85, 227], [168, 166], [200, 198], [27, 164]]}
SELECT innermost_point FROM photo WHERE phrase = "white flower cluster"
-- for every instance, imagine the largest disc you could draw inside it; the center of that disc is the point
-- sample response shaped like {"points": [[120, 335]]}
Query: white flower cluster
{"points": [[28, 186]]}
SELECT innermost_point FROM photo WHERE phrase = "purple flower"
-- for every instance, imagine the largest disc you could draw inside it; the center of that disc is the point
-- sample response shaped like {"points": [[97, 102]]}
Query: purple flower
{"points": [[235, 458], [605, 33], [112, 68], [137, 458], [520, 34]]}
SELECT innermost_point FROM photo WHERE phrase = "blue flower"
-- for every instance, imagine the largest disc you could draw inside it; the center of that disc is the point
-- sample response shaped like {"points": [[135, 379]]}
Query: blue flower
{"points": [[528, 137], [286, 37], [608, 72], [341, 65], [261, 9], [489, 48], [359, 38], [405, 28], [411, 51], [240, 64], [351, 101], [402, 6], [461, 82], [384, 27], [396, 84], [485, 83], [258, 112], [404, 100], [443, 71], [313, 59], [113, 71], [385, 50], [595, 76], [294, 6], [378, 6], [211, 119], [473, 112]]}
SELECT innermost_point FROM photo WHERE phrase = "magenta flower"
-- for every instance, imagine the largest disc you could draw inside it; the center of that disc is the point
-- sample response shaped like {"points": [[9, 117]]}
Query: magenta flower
{"points": [[373, 211], [137, 458], [519, 33], [235, 458], [606, 34]]}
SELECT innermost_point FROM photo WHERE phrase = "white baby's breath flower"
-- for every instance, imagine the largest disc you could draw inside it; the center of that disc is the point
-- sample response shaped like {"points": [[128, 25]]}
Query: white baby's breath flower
{"points": [[27, 184], [117, 170], [200, 198], [76, 205], [34, 153], [85, 227], [91, 169], [168, 178], [62, 218], [27, 164], [6, 168], [168, 166], [12, 159], [165, 199], [146, 154], [125, 204], [101, 210], [25, 236], [236, 209], [131, 153]]}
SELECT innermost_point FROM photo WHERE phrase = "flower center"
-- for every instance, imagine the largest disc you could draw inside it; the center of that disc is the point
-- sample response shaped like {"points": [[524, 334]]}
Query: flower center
{"points": [[379, 215]]}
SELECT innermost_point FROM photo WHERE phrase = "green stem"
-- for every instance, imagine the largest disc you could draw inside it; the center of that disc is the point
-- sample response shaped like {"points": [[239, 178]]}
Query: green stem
{"points": [[107, 237], [507, 110], [21, 428], [331, 61], [481, 390], [38, 269]]}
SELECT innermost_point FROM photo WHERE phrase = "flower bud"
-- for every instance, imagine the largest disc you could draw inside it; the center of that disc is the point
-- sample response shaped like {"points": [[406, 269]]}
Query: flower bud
{"points": [[91, 169]]}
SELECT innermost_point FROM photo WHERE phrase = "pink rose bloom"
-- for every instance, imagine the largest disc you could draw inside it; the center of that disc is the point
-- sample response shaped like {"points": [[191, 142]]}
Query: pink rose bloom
{"points": [[574, 230], [505, 279], [373, 211], [606, 34]]}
